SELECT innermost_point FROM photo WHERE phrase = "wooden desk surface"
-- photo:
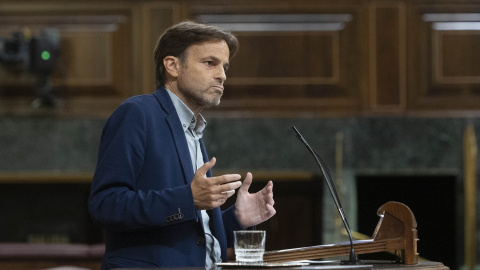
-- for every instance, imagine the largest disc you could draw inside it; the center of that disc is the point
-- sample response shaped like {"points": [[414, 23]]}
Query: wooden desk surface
{"points": [[331, 265]]}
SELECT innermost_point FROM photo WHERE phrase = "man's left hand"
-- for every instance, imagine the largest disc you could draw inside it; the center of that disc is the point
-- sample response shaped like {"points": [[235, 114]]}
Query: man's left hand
{"points": [[253, 209]]}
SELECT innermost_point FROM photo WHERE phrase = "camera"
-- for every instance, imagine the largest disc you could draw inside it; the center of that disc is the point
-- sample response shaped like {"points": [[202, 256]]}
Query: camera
{"points": [[37, 54]]}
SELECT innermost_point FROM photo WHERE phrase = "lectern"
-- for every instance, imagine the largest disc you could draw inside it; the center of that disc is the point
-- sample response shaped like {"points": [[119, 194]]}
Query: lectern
{"points": [[396, 231]]}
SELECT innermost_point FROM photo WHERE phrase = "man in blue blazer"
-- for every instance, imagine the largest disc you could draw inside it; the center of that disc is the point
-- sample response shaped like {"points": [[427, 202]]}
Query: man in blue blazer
{"points": [[153, 191]]}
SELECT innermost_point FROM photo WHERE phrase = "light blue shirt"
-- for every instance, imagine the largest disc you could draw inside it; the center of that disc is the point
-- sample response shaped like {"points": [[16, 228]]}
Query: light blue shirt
{"points": [[193, 134]]}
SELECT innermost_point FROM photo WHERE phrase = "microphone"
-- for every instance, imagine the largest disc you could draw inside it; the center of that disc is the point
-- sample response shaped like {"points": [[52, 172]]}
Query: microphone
{"points": [[331, 187]]}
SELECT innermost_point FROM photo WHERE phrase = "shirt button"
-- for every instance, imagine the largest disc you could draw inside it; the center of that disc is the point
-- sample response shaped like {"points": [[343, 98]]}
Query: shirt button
{"points": [[200, 241]]}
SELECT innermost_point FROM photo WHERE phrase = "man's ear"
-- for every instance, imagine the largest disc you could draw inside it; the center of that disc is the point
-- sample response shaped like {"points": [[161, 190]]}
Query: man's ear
{"points": [[172, 65]]}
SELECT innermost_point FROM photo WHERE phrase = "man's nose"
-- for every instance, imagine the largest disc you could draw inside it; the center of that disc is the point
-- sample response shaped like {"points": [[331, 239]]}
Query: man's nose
{"points": [[221, 74]]}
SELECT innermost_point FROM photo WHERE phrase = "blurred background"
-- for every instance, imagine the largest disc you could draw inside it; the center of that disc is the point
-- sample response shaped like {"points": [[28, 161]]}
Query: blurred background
{"points": [[388, 92]]}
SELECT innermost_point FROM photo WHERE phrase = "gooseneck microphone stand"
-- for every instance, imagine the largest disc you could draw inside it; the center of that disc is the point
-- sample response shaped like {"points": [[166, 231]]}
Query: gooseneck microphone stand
{"points": [[331, 187]]}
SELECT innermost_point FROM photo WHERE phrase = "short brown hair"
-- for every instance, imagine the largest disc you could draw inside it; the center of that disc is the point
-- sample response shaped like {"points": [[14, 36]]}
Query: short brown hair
{"points": [[175, 41]]}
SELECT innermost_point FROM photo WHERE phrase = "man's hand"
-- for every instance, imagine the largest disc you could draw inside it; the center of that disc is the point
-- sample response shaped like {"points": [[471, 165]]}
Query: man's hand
{"points": [[253, 209], [211, 192]]}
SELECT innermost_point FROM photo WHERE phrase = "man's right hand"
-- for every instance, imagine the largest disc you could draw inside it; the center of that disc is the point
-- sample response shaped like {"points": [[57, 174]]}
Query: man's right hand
{"points": [[211, 192]]}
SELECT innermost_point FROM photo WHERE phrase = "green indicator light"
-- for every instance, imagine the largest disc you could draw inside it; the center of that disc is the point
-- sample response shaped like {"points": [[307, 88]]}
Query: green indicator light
{"points": [[45, 55]]}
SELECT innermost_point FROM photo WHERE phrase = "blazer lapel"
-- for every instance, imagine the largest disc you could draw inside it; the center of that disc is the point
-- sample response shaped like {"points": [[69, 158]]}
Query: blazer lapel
{"points": [[177, 133]]}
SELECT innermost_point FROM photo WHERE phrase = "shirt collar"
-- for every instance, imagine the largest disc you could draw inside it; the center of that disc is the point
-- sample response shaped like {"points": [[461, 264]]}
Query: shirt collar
{"points": [[187, 117]]}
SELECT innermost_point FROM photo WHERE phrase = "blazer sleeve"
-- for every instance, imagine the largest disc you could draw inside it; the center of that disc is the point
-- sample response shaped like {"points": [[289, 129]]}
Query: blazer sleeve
{"points": [[231, 224], [115, 202]]}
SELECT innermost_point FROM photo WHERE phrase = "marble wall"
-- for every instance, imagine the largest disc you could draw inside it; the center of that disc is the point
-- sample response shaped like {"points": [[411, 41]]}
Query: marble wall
{"points": [[350, 147]]}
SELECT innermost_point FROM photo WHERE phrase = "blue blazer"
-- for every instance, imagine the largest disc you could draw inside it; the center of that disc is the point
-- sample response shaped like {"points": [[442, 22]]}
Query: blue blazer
{"points": [[141, 193]]}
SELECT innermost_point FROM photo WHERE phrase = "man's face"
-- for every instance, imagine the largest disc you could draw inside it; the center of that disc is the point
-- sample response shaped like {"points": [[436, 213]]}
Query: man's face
{"points": [[200, 79]]}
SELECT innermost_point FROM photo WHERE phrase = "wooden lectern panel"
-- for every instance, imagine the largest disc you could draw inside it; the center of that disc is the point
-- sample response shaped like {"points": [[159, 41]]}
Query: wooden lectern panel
{"points": [[396, 230]]}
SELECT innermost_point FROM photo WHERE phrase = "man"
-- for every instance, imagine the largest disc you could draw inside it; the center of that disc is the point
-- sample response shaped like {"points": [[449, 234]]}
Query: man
{"points": [[153, 190]]}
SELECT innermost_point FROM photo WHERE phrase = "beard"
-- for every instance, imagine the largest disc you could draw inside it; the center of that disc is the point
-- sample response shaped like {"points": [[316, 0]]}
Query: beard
{"points": [[202, 97]]}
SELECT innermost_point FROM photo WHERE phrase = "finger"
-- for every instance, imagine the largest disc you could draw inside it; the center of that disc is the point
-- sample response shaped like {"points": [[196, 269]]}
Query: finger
{"points": [[210, 204], [229, 186], [267, 193], [271, 211], [268, 188], [229, 193], [221, 198], [270, 200], [246, 182], [224, 179], [217, 199], [207, 166]]}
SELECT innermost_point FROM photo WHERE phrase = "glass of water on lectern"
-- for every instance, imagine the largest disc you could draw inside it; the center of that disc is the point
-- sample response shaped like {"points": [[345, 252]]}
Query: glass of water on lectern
{"points": [[249, 246]]}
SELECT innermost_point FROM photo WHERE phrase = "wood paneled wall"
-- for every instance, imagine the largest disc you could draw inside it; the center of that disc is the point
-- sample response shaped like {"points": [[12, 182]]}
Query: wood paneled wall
{"points": [[327, 58], [444, 67]]}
